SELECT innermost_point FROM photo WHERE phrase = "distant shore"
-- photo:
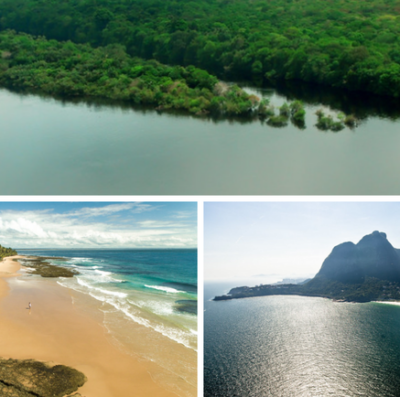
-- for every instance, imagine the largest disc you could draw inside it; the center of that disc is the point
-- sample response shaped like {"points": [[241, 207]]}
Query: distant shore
{"points": [[56, 330], [227, 297], [388, 302], [370, 290]]}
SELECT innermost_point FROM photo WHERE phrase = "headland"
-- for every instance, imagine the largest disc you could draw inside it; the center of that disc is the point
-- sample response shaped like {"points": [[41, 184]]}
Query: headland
{"points": [[363, 272]]}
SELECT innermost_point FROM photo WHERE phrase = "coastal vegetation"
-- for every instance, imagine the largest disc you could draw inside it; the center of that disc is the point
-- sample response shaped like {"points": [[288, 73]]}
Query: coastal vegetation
{"points": [[347, 43], [371, 289], [29, 378], [7, 252], [45, 269]]}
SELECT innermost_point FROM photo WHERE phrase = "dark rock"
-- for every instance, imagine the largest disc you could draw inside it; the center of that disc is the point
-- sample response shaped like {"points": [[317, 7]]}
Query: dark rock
{"points": [[373, 256], [28, 378], [45, 269], [186, 305], [362, 272]]}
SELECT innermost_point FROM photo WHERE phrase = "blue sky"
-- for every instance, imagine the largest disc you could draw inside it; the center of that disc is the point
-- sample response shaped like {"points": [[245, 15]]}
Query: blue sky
{"points": [[272, 240], [98, 224]]}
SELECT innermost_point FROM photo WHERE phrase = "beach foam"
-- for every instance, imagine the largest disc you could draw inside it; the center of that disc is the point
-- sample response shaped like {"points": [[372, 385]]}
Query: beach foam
{"points": [[149, 309], [128, 305], [104, 291], [118, 301], [165, 289]]}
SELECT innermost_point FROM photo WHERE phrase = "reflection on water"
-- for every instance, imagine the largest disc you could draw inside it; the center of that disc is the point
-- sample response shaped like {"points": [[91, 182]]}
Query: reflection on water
{"points": [[300, 346], [361, 104], [62, 147]]}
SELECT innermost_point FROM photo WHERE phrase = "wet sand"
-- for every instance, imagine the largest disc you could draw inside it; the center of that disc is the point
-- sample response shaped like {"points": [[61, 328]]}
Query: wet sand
{"points": [[56, 330]]}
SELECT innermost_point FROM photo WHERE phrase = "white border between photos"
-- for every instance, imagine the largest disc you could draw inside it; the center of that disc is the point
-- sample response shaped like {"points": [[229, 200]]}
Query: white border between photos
{"points": [[200, 233]]}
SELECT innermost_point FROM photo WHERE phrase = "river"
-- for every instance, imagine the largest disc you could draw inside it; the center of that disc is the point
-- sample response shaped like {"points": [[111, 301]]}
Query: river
{"points": [[54, 147]]}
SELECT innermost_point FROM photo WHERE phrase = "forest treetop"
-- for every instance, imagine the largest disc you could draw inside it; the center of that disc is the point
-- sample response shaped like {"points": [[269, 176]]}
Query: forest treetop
{"points": [[346, 43]]}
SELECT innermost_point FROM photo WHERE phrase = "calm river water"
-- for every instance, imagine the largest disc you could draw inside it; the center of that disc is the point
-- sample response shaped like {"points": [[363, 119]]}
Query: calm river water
{"points": [[55, 147]]}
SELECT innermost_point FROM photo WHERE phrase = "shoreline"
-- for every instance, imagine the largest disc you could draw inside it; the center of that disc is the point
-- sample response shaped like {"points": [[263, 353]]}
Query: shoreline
{"points": [[65, 327], [396, 303], [334, 300], [8, 268]]}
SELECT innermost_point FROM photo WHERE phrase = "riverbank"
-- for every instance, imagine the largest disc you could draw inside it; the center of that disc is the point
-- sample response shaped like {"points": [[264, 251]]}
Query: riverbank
{"points": [[68, 70], [64, 328]]}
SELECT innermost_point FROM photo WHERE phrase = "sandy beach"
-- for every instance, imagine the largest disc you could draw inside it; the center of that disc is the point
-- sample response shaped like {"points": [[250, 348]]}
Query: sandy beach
{"points": [[388, 302], [9, 268], [57, 330]]}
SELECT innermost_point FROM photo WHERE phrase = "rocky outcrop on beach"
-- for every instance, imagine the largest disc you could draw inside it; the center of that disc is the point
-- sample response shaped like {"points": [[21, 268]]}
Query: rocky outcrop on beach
{"points": [[29, 378], [45, 269], [186, 306]]}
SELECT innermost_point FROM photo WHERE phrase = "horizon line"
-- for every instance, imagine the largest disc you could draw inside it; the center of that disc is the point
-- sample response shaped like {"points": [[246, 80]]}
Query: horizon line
{"points": [[119, 248]]}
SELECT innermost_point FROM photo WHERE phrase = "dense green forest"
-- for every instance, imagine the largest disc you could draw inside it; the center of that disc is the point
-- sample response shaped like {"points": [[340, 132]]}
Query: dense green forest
{"points": [[6, 252], [345, 43], [79, 70]]}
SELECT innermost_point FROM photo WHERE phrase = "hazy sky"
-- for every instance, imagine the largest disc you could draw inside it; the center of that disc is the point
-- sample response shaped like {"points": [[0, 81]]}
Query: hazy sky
{"points": [[98, 225], [267, 241]]}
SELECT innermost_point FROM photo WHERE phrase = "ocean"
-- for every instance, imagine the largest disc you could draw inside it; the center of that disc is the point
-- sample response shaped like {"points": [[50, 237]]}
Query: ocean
{"points": [[147, 297], [299, 346]]}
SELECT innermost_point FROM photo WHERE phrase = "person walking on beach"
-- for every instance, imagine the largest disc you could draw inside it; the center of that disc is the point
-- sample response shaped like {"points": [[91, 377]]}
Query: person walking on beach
{"points": [[29, 306]]}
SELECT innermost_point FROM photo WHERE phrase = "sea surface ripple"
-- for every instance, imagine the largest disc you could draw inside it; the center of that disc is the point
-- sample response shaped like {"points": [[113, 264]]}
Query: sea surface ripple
{"points": [[300, 346]]}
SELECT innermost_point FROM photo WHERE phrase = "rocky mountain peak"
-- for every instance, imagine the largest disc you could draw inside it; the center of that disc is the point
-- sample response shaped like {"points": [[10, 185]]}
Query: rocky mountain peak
{"points": [[372, 256]]}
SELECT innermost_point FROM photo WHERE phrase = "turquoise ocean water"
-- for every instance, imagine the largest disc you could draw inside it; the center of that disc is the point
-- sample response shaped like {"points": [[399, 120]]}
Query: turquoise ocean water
{"points": [[154, 288], [145, 298]]}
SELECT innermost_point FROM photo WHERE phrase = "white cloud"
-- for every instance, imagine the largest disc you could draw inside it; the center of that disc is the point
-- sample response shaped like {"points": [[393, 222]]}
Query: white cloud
{"points": [[77, 229], [183, 214], [159, 224], [111, 209]]}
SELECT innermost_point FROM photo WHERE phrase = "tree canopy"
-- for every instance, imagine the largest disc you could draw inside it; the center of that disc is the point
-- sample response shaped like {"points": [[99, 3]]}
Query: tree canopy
{"points": [[346, 43], [78, 70]]}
